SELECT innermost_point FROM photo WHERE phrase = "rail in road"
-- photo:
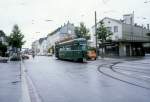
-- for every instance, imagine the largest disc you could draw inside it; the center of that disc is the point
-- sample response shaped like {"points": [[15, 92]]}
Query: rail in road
{"points": [[111, 71]]}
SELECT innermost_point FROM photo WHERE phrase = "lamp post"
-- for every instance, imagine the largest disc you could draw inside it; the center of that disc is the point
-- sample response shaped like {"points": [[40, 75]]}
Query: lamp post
{"points": [[96, 34]]}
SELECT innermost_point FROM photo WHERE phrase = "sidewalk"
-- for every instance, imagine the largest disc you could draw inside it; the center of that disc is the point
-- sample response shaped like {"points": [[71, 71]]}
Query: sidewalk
{"points": [[10, 82]]}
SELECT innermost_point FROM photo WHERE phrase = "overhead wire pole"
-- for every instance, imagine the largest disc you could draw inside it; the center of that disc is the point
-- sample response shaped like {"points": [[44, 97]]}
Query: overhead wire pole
{"points": [[96, 34]]}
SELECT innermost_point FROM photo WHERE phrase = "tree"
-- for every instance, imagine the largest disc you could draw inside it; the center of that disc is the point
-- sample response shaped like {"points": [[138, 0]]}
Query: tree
{"points": [[3, 49], [2, 33], [103, 34], [3, 46], [15, 39], [82, 31], [148, 34]]}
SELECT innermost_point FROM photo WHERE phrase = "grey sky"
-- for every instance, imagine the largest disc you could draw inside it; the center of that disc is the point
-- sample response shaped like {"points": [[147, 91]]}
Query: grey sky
{"points": [[30, 15]]}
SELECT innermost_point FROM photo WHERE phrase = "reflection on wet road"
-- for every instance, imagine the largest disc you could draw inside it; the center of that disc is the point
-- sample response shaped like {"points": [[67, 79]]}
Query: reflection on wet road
{"points": [[62, 81]]}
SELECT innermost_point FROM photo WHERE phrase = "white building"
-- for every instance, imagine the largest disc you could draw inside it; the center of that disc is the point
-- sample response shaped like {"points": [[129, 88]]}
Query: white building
{"points": [[61, 33], [35, 47], [53, 37], [125, 33], [42, 45]]}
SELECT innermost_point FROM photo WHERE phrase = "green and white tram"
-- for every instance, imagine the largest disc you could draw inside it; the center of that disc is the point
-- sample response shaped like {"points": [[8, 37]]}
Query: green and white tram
{"points": [[75, 50]]}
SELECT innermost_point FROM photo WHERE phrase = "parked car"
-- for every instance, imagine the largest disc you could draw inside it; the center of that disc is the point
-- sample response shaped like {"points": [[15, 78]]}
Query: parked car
{"points": [[25, 56]]}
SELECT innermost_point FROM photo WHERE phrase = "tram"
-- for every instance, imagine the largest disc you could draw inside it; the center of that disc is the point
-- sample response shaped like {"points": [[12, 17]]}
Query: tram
{"points": [[75, 50]]}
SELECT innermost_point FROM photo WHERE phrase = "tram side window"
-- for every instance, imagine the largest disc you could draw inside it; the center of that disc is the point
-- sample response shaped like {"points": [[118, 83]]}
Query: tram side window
{"points": [[72, 47], [61, 49], [68, 48], [76, 47], [83, 47]]}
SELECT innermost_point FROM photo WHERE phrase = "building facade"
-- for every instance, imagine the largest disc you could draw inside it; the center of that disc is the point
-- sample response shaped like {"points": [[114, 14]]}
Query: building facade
{"points": [[127, 39], [35, 47], [63, 32], [43, 45]]}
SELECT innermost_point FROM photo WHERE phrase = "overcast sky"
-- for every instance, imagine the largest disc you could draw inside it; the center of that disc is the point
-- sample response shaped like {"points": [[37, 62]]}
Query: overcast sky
{"points": [[32, 15]]}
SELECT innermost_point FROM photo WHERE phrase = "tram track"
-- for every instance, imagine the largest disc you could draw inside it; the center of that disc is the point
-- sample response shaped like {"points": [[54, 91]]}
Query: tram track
{"points": [[137, 70], [144, 71], [101, 70], [130, 76]]}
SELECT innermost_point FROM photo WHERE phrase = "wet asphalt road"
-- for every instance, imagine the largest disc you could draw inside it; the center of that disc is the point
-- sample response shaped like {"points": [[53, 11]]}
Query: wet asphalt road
{"points": [[111, 80]]}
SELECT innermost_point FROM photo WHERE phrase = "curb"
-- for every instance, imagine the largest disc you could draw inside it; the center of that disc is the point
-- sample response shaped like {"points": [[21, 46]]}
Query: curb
{"points": [[25, 97], [34, 96]]}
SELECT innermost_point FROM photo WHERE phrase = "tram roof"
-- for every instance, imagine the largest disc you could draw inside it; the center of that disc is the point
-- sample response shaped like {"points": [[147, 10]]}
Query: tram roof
{"points": [[73, 40]]}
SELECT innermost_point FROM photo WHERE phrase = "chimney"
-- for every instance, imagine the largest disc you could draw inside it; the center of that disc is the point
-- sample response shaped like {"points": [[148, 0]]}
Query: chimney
{"points": [[128, 19], [148, 26]]}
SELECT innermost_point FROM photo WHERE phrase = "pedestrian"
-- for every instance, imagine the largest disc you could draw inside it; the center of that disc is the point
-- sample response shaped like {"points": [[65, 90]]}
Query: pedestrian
{"points": [[33, 54]]}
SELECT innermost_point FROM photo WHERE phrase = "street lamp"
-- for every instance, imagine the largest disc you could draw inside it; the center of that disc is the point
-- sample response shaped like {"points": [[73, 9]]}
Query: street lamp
{"points": [[96, 34]]}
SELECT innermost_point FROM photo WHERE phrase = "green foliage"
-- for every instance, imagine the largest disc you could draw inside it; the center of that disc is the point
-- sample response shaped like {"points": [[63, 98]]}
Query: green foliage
{"points": [[148, 34], [2, 33], [82, 31], [103, 33], [3, 49], [16, 38]]}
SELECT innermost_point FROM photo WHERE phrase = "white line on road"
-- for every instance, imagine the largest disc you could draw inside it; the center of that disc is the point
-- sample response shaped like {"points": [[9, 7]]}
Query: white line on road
{"points": [[145, 76], [128, 73], [25, 92]]}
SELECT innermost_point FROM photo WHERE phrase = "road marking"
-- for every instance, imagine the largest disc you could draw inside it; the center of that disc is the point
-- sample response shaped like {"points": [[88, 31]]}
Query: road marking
{"points": [[25, 92], [145, 76], [128, 73]]}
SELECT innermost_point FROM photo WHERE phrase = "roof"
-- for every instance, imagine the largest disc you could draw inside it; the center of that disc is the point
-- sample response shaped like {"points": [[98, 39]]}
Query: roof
{"points": [[113, 20], [59, 28], [54, 32], [119, 21], [127, 14], [42, 39], [73, 40]]}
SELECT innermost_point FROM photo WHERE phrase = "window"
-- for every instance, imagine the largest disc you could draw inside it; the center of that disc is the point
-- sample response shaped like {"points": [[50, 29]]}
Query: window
{"points": [[115, 29], [61, 49], [82, 47], [68, 48]]}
